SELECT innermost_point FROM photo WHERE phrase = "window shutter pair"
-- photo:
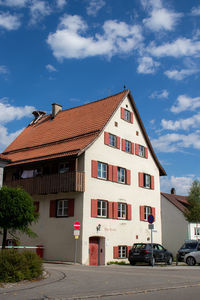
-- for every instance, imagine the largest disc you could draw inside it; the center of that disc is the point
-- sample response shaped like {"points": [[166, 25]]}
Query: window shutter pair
{"points": [[142, 213], [123, 146], [106, 140], [123, 115], [141, 180], [137, 150], [116, 251], [53, 206]]}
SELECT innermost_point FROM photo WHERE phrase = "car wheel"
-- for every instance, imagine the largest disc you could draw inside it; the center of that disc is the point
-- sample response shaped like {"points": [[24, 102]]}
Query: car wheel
{"points": [[169, 260], [132, 263], [152, 261], [190, 261]]}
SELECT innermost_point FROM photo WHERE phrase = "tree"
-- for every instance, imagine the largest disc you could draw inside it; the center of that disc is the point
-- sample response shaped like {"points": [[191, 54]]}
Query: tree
{"points": [[193, 212], [17, 212]]}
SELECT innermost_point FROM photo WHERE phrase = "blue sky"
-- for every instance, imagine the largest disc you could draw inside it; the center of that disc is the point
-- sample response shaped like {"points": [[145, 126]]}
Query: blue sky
{"points": [[76, 51]]}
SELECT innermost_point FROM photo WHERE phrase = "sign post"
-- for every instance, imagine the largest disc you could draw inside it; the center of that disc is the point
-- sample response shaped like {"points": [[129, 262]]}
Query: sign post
{"points": [[151, 227], [77, 226]]}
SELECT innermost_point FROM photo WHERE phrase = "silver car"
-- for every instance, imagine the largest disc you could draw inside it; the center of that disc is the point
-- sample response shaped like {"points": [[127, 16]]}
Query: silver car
{"points": [[192, 258]]}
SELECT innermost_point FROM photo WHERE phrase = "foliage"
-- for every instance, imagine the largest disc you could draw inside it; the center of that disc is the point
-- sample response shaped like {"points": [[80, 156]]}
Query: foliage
{"points": [[17, 211], [122, 262], [193, 212], [15, 266]]}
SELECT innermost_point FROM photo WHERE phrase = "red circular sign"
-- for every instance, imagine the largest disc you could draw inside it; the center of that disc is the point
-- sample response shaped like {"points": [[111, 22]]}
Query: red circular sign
{"points": [[77, 225]]}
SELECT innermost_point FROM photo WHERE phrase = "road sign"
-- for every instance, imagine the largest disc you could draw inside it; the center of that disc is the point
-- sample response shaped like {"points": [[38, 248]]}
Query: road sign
{"points": [[76, 232], [77, 225], [150, 219], [151, 226]]}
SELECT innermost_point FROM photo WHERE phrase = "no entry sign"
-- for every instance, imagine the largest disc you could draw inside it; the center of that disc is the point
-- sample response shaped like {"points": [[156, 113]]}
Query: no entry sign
{"points": [[77, 225]]}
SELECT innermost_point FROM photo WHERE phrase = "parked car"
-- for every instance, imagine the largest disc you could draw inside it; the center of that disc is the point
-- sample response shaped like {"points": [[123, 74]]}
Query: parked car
{"points": [[188, 246], [142, 252], [192, 258]]}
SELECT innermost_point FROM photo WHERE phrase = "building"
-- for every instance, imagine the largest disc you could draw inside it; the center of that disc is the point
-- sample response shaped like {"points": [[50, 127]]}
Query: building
{"points": [[93, 164], [3, 163], [175, 228]]}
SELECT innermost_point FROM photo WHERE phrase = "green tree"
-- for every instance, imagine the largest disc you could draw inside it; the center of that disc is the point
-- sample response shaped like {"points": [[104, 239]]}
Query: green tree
{"points": [[193, 212], [17, 212]]}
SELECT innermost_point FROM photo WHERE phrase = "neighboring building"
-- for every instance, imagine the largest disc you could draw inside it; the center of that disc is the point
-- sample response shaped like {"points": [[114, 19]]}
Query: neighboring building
{"points": [[175, 228], [95, 164], [3, 163]]}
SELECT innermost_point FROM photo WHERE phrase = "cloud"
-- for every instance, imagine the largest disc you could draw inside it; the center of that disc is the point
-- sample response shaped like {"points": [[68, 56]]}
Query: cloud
{"points": [[38, 10], [179, 48], [184, 103], [147, 65], [195, 11], [50, 68], [61, 3], [180, 75], [181, 184], [94, 6], [6, 138], [8, 21], [174, 142], [182, 124], [70, 39], [14, 3], [160, 94], [3, 70]]}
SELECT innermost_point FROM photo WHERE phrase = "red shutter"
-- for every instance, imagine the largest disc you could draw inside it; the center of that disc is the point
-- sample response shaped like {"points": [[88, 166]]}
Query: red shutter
{"points": [[128, 249], [52, 211], [106, 138], [118, 142], [36, 205], [115, 252], [141, 213], [93, 207], [128, 177], [146, 152], [110, 210], [110, 172], [153, 213], [152, 182], [94, 168], [122, 113], [123, 144], [131, 118], [136, 149], [141, 179], [115, 173], [132, 148], [70, 207], [129, 217], [115, 210]]}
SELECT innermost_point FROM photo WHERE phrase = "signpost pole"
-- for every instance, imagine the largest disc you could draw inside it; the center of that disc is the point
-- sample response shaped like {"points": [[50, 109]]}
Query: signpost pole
{"points": [[77, 226], [75, 251], [152, 245], [151, 227]]}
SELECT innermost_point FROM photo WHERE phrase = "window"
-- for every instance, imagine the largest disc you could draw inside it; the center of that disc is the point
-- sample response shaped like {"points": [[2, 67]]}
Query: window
{"points": [[122, 210], [147, 212], [127, 146], [64, 167], [122, 250], [141, 151], [102, 170], [197, 231], [147, 181], [127, 115], [62, 208], [121, 175], [112, 140], [102, 208]]}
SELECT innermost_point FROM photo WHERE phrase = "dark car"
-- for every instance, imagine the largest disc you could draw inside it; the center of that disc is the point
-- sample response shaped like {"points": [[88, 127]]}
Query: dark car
{"points": [[142, 252], [188, 246]]}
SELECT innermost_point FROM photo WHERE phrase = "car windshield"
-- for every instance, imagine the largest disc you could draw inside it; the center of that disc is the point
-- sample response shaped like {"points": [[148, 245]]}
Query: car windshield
{"points": [[189, 246]]}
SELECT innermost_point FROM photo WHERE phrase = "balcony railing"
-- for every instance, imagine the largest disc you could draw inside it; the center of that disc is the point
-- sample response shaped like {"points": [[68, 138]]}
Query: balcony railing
{"points": [[49, 184]]}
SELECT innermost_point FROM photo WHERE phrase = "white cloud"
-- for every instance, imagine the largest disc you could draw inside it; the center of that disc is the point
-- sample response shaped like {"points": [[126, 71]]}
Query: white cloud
{"points": [[94, 6], [180, 75], [50, 68], [179, 48], [195, 11], [184, 103], [6, 138], [160, 94], [70, 39], [38, 10], [9, 22], [182, 124], [147, 65], [174, 142], [61, 3], [3, 70], [14, 3], [181, 184]]}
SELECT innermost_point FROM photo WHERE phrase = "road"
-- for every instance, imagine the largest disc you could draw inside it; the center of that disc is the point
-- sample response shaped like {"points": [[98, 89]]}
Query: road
{"points": [[109, 282]]}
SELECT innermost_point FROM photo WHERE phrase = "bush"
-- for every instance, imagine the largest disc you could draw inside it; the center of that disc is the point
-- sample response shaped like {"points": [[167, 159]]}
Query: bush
{"points": [[15, 266]]}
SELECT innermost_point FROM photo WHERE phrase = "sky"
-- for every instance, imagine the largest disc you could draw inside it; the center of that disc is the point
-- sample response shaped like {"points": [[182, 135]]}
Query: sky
{"points": [[76, 51]]}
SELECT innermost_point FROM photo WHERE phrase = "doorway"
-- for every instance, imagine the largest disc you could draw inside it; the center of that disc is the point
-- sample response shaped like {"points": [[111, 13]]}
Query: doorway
{"points": [[96, 251]]}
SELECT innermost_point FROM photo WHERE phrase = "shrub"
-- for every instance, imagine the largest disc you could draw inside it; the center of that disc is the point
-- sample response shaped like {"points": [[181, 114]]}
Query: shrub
{"points": [[15, 266]]}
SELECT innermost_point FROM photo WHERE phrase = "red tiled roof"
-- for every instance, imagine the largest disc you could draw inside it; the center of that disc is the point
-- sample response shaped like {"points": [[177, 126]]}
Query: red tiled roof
{"points": [[179, 201]]}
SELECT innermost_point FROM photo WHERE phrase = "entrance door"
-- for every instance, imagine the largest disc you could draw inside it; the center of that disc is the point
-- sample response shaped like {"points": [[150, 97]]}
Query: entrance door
{"points": [[93, 251]]}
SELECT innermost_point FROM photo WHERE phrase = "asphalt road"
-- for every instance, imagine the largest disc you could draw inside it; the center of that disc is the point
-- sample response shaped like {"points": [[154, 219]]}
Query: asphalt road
{"points": [[109, 282]]}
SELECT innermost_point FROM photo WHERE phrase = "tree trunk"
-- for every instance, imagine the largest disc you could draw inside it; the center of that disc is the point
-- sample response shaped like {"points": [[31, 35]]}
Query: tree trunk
{"points": [[4, 238]]}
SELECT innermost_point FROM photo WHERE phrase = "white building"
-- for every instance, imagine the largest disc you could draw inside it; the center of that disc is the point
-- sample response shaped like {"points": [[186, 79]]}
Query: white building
{"points": [[93, 164]]}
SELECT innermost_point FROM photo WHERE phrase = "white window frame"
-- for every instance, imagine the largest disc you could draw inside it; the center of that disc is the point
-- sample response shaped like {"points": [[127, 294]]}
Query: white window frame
{"points": [[147, 181], [102, 208], [127, 146], [122, 210], [102, 170], [197, 231], [122, 251], [127, 115], [112, 140], [147, 212], [141, 151], [62, 208], [121, 175]]}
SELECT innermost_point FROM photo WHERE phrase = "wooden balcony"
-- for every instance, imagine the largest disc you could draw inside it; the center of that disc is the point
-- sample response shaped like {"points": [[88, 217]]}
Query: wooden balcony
{"points": [[50, 184]]}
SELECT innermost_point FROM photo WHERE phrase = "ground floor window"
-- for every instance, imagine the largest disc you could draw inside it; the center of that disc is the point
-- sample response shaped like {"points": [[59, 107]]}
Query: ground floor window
{"points": [[122, 251], [197, 231], [62, 208]]}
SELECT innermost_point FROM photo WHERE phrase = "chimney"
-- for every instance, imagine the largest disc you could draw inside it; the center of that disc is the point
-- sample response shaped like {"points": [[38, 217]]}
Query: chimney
{"points": [[173, 191], [55, 109]]}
